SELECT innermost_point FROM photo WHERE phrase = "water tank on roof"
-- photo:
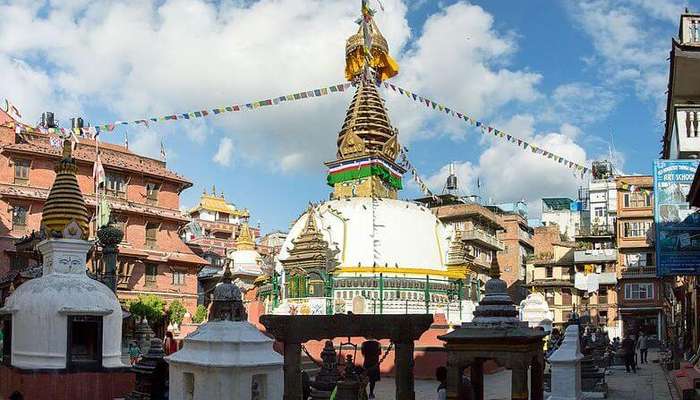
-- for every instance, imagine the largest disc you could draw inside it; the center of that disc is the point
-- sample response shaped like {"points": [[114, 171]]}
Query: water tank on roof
{"points": [[76, 122], [452, 182], [47, 120]]}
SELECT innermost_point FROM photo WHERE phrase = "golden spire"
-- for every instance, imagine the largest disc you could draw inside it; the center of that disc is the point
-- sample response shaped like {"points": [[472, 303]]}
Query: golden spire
{"points": [[381, 62], [245, 239], [64, 214], [367, 129]]}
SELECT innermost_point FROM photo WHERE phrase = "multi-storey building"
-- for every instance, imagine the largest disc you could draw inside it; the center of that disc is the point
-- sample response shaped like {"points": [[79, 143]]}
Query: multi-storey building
{"points": [[144, 197], [641, 294], [518, 247], [681, 140], [271, 243], [564, 213], [550, 271], [215, 224], [478, 227]]}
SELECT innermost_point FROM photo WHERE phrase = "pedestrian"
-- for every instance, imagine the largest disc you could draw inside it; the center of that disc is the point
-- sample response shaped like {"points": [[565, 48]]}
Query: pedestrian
{"points": [[441, 376], [371, 350], [643, 347], [628, 351], [134, 352], [169, 344]]}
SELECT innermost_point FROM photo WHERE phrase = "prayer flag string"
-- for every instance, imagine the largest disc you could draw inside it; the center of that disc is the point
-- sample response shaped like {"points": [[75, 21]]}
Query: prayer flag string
{"points": [[524, 145]]}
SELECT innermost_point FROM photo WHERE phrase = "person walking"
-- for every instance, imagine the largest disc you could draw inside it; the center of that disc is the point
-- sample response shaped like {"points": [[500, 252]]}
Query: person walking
{"points": [[169, 344], [441, 376], [134, 353], [643, 347], [371, 350], [628, 349]]}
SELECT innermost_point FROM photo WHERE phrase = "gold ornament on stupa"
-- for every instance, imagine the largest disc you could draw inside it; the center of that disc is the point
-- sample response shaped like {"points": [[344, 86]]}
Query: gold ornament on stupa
{"points": [[65, 214], [357, 54], [245, 239]]}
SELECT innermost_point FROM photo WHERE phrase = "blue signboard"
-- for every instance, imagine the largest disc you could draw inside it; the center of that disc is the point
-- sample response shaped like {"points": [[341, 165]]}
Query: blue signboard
{"points": [[677, 225]]}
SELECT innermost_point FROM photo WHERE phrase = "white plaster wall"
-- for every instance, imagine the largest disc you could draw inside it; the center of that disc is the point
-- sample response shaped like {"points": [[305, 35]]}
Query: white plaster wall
{"points": [[224, 383]]}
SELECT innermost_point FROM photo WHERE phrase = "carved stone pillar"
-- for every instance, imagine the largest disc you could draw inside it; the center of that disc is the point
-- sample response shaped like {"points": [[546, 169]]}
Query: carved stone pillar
{"points": [[477, 378], [110, 236], [404, 370], [519, 387], [293, 389]]}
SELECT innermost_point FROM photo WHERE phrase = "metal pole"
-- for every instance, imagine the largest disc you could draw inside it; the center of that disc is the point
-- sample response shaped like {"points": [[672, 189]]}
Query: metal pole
{"points": [[381, 293], [427, 294]]}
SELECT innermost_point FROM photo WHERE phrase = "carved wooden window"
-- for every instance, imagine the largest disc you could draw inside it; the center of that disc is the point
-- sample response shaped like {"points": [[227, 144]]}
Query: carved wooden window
{"points": [[84, 342], [151, 273], [151, 234], [6, 339], [22, 167], [566, 297], [603, 296], [178, 278], [116, 184], [18, 262], [19, 216], [222, 217], [152, 190]]}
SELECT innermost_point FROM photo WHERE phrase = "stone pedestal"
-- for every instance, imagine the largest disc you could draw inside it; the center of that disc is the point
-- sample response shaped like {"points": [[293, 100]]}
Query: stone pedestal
{"points": [[566, 368]]}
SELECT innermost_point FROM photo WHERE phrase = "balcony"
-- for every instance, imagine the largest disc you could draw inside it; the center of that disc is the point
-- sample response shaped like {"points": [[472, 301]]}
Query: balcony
{"points": [[483, 238], [690, 29], [602, 230], [638, 272], [595, 256], [686, 131]]}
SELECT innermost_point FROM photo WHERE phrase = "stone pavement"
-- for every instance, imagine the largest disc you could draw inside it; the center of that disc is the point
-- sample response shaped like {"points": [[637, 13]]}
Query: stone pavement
{"points": [[649, 383]]}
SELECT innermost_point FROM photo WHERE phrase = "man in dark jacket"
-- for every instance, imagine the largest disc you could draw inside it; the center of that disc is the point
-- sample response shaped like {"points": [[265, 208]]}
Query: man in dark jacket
{"points": [[628, 348], [371, 350]]}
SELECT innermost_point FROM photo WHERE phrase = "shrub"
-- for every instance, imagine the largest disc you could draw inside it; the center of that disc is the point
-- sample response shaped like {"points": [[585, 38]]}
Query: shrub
{"points": [[149, 306], [176, 312], [200, 315]]}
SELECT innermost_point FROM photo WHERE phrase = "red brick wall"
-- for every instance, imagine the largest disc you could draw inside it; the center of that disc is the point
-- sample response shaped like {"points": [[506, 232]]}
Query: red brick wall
{"points": [[60, 385], [544, 239]]}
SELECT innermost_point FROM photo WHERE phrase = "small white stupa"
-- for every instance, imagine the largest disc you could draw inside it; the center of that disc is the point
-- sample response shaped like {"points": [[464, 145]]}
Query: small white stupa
{"points": [[64, 319], [227, 358], [535, 311], [247, 262]]}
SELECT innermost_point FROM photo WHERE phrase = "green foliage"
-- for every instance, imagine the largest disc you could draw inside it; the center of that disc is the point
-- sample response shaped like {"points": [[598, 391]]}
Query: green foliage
{"points": [[150, 306], [200, 315], [176, 312]]}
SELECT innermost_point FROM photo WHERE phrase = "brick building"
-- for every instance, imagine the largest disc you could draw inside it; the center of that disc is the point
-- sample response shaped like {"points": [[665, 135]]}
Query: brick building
{"points": [[518, 246], [641, 291], [144, 197]]}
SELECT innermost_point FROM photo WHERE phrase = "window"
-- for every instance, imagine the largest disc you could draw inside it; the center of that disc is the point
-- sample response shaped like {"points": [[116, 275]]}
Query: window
{"points": [[84, 342], [549, 272], [639, 291], [639, 259], [6, 329], [152, 190], [18, 263], [151, 234], [603, 296], [599, 212], [178, 278], [636, 229], [222, 217], [122, 222], [19, 216], [188, 382], [151, 273], [637, 199], [549, 295], [22, 171], [566, 297], [116, 184]]}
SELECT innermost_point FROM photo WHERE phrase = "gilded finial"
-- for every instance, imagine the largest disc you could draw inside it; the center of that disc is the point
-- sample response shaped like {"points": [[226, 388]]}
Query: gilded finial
{"points": [[245, 239]]}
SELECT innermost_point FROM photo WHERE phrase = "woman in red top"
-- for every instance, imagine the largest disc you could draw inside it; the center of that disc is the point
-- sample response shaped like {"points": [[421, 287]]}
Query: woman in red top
{"points": [[170, 344]]}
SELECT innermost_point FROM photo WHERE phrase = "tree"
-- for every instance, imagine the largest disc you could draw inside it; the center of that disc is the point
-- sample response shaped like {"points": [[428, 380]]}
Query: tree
{"points": [[149, 306], [176, 312], [200, 315]]}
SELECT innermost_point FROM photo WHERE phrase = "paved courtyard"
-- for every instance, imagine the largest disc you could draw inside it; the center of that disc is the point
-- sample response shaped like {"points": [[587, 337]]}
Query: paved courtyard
{"points": [[649, 383]]}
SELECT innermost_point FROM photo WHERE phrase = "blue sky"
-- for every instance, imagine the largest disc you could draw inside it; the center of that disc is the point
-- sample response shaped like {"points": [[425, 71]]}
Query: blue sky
{"points": [[583, 79]]}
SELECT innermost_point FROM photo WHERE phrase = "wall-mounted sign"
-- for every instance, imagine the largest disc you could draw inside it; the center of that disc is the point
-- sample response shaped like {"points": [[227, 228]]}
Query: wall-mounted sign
{"points": [[677, 225]]}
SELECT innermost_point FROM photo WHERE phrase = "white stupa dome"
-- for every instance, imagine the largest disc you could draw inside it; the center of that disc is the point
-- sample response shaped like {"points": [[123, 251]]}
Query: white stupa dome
{"points": [[40, 307], [368, 232]]}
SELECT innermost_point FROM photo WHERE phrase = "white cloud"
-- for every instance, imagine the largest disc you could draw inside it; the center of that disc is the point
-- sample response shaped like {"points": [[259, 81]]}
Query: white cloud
{"points": [[508, 173], [627, 42], [579, 103], [224, 154]]}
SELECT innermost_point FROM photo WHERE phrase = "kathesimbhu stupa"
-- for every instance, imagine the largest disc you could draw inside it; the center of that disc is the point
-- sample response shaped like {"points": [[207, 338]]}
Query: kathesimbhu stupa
{"points": [[364, 250]]}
